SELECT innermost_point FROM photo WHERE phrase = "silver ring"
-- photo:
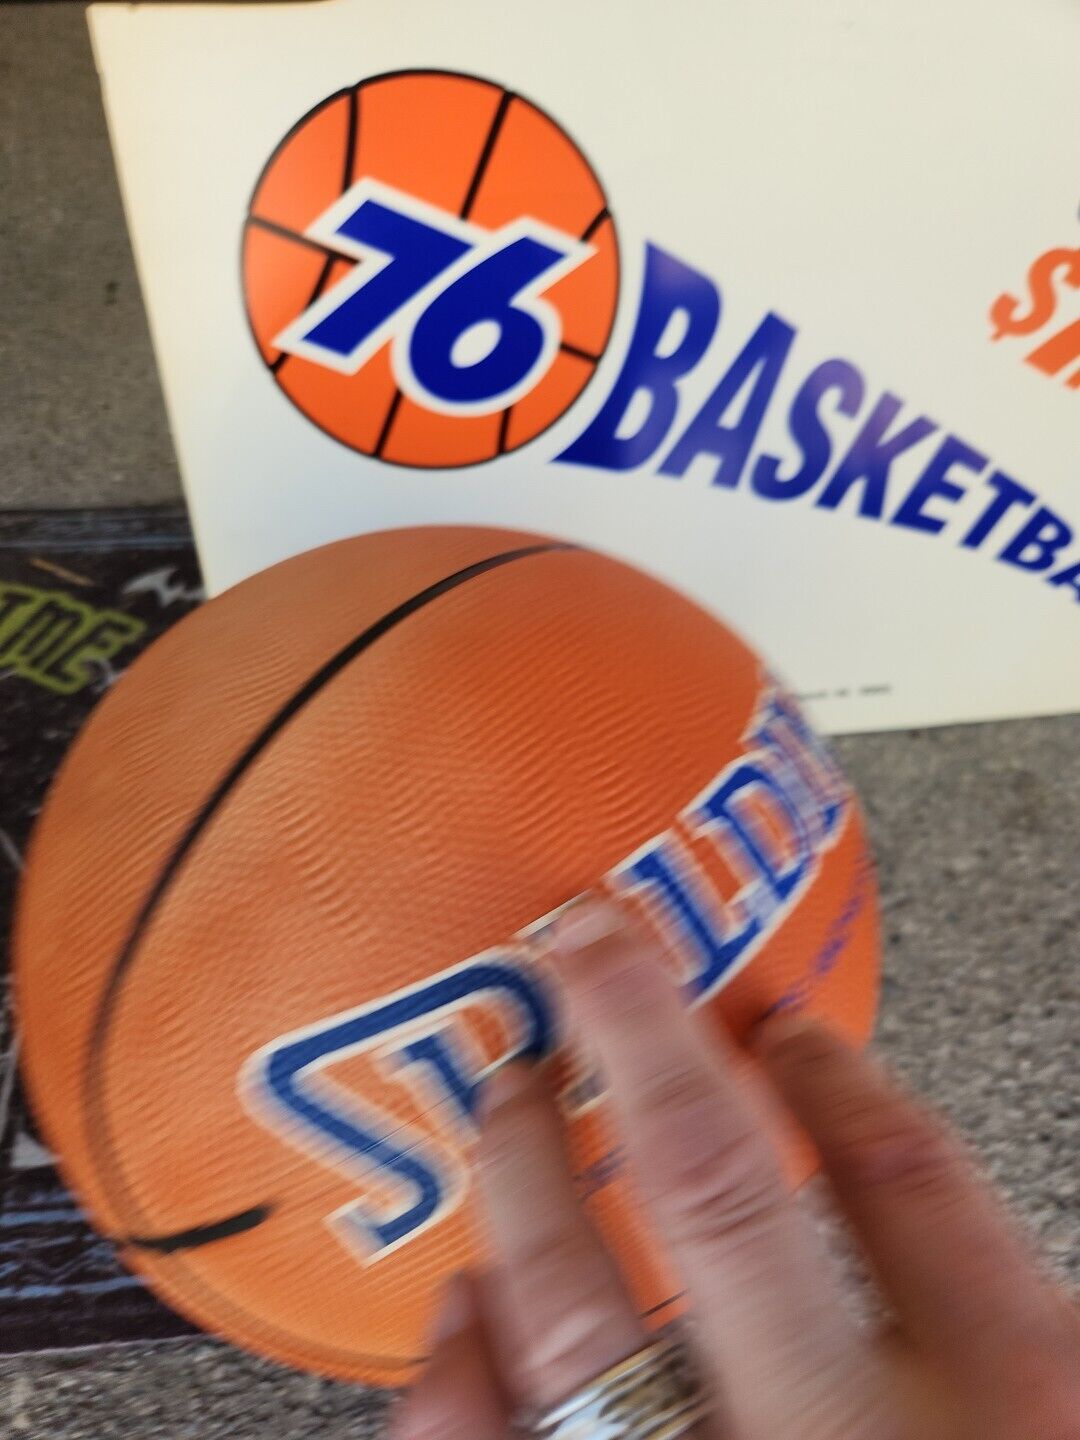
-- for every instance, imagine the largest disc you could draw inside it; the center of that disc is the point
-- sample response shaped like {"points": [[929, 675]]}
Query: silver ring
{"points": [[652, 1395]]}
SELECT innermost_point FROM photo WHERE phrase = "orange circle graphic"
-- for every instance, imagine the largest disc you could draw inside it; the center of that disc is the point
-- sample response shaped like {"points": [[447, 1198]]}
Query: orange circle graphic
{"points": [[482, 157]]}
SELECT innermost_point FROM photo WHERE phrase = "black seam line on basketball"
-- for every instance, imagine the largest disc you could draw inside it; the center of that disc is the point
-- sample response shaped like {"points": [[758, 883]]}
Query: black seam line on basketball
{"points": [[297, 235], [316, 290], [101, 1146], [199, 1234], [595, 223], [655, 1309], [486, 153], [578, 353], [350, 138], [331, 257], [388, 424], [346, 178], [504, 428]]}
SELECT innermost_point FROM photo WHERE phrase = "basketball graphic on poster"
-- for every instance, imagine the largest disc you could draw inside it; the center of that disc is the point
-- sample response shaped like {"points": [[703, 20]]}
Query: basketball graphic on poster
{"points": [[430, 269]]}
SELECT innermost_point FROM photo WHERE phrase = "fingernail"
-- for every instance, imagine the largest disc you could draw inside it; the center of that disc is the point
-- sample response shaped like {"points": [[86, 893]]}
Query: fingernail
{"points": [[455, 1313]]}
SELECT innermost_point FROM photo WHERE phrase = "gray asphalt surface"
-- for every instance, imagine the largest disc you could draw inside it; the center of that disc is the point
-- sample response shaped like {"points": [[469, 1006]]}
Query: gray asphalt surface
{"points": [[974, 826]]}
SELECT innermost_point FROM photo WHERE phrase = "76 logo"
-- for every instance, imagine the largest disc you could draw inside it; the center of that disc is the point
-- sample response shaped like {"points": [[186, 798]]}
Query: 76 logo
{"points": [[461, 306]]}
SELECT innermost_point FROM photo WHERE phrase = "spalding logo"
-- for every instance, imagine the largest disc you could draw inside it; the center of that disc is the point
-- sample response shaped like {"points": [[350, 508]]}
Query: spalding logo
{"points": [[769, 817]]}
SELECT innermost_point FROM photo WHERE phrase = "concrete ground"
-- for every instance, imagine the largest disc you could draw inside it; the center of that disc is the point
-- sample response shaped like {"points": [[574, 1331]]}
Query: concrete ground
{"points": [[81, 416], [974, 826]]}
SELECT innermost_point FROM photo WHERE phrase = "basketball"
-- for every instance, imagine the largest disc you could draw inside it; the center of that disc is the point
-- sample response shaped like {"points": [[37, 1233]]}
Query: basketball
{"points": [[283, 910], [475, 152]]}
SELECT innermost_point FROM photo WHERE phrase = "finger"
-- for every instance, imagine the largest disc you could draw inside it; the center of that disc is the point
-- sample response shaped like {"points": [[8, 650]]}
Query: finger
{"points": [[767, 1314], [457, 1397], [963, 1284], [563, 1297]]}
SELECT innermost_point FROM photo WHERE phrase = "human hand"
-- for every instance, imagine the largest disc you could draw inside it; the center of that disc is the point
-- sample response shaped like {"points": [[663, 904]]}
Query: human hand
{"points": [[982, 1346]]}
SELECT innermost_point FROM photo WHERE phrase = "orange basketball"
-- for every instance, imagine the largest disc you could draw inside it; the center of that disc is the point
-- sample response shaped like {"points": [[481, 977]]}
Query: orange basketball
{"points": [[476, 153], [280, 909]]}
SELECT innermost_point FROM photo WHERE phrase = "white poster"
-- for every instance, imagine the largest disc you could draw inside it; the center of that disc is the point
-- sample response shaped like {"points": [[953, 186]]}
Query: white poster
{"points": [[780, 301]]}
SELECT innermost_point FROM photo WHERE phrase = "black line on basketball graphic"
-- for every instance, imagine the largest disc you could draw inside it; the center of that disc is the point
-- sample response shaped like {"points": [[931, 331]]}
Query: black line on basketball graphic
{"points": [[307, 405]]}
